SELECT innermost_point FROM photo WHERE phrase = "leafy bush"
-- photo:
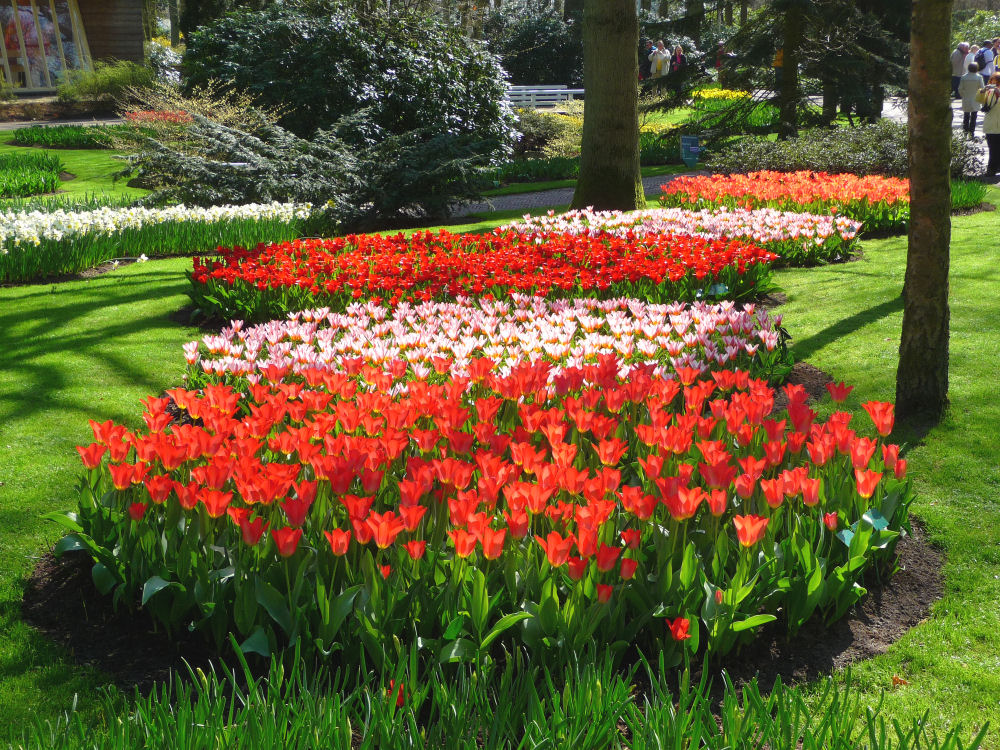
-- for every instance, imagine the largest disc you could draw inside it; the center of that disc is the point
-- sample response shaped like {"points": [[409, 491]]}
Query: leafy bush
{"points": [[26, 174], [108, 80], [878, 149], [535, 170], [323, 62], [967, 194], [66, 136], [375, 177], [548, 133], [974, 28], [535, 45]]}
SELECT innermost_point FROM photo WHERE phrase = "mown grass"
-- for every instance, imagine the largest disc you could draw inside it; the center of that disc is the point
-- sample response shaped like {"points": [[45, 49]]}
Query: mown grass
{"points": [[93, 170], [92, 349]]}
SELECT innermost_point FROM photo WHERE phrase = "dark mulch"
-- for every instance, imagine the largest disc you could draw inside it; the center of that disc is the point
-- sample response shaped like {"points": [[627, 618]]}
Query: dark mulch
{"points": [[891, 608], [67, 176], [84, 275], [981, 208], [811, 378], [60, 600]]}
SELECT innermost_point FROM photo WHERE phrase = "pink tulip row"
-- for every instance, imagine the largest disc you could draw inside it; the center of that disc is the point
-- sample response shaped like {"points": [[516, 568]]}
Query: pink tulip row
{"points": [[564, 332]]}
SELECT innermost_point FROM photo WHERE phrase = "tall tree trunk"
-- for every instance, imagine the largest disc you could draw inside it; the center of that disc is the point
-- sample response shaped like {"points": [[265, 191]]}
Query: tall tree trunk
{"points": [[173, 9], [647, 5], [788, 93], [922, 376], [609, 155], [694, 21], [744, 11], [727, 13]]}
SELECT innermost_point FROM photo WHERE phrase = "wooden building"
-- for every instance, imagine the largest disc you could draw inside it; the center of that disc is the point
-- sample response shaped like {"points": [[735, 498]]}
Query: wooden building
{"points": [[44, 39]]}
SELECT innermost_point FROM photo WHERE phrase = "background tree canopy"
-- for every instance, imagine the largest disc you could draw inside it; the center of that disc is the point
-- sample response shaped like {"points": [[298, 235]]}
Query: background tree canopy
{"points": [[323, 61]]}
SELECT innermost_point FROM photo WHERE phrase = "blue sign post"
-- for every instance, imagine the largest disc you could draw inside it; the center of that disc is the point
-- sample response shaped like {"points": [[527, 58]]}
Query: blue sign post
{"points": [[690, 149]]}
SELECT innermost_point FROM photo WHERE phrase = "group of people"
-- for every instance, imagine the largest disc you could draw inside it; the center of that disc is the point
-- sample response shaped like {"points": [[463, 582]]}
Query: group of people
{"points": [[660, 62], [976, 81]]}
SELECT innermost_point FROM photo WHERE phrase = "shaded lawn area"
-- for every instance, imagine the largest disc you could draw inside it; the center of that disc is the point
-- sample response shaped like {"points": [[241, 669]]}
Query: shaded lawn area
{"points": [[92, 349]]}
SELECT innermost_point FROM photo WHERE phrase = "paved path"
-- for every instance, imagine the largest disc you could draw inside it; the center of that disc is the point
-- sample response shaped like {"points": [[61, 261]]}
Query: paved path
{"points": [[17, 124], [549, 198]]}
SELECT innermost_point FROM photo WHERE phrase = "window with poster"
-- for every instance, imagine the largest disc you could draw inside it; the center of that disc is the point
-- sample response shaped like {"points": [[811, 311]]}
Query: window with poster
{"points": [[42, 40]]}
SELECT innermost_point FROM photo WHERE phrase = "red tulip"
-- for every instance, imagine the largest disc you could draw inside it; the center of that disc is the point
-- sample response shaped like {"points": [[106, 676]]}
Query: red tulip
{"points": [[576, 566], [159, 487], [862, 450], [187, 494], [465, 543], [745, 486], [121, 475], [882, 414], [604, 593], [810, 491], [91, 455], [412, 515], [287, 540], [606, 557], [556, 548], [137, 510], [750, 529], [339, 540], [774, 491], [518, 523], [415, 548], [679, 628], [867, 482], [628, 567], [215, 502], [395, 690], [900, 468], [385, 570], [631, 537], [296, 510], [385, 528], [890, 455], [839, 392], [492, 541], [830, 519]]}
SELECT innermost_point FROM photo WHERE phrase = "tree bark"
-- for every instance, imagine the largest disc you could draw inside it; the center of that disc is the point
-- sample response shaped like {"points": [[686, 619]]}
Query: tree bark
{"points": [[173, 9], [727, 13], [744, 11], [922, 375], [609, 155], [788, 93], [694, 21]]}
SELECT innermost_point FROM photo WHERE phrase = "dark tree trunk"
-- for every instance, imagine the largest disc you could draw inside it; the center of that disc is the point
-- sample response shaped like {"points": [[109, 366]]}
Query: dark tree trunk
{"points": [[727, 13], [609, 155], [830, 100], [744, 11], [647, 5], [694, 21], [922, 376], [574, 9], [788, 92], [173, 9]]}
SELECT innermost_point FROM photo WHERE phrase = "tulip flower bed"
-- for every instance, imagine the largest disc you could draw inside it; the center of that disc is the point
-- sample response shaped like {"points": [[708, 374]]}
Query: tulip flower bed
{"points": [[451, 337], [800, 239], [38, 243], [271, 280], [879, 203], [371, 510]]}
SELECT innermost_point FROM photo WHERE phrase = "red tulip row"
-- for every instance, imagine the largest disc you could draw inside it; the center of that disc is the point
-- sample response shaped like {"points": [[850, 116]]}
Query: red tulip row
{"points": [[587, 494], [271, 280]]}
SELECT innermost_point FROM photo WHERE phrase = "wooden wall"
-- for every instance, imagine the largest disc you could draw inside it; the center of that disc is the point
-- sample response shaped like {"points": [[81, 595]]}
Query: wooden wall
{"points": [[114, 28]]}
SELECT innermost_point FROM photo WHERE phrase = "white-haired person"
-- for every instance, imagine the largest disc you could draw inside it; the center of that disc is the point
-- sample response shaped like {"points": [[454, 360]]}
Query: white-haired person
{"points": [[958, 66]]}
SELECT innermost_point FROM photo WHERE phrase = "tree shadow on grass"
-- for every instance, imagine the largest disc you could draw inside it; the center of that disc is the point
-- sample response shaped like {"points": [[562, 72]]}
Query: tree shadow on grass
{"points": [[808, 346]]}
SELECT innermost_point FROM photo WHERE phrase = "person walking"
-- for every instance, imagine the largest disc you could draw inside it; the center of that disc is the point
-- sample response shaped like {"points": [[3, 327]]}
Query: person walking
{"points": [[660, 60], [989, 97], [678, 65], [971, 57], [644, 61], [958, 67], [968, 89], [984, 59]]}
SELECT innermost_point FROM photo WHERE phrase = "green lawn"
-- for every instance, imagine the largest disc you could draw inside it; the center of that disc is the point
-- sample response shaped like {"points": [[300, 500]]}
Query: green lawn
{"points": [[92, 349], [93, 169], [515, 188]]}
